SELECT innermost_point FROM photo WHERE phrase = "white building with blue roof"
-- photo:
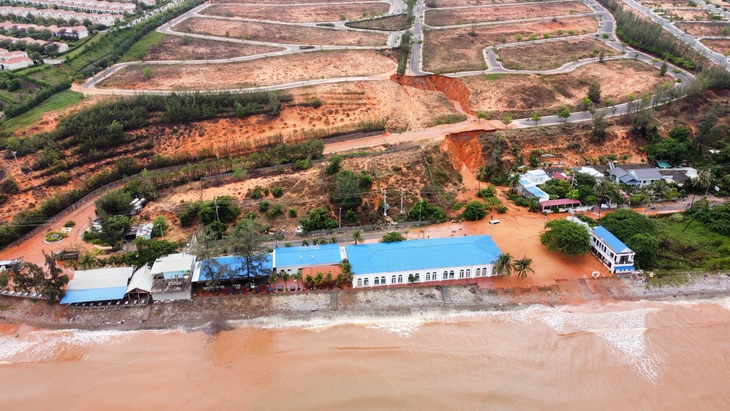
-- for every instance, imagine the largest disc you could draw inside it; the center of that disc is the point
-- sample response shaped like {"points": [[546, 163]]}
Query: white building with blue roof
{"points": [[291, 259], [611, 251], [530, 190], [426, 260]]}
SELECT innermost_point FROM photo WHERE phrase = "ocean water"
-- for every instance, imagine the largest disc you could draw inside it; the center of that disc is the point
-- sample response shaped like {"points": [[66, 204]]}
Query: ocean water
{"points": [[627, 356]]}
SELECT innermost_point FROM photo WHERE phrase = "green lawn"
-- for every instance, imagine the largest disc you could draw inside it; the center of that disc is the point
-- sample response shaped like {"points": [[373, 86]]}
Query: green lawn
{"points": [[697, 248], [55, 102], [140, 49]]}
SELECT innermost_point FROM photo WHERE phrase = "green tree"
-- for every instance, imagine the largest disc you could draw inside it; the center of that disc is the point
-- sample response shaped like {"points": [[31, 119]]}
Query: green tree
{"points": [[564, 113], [606, 191], [148, 73], [523, 266], [357, 236], [504, 264], [246, 242], [663, 69], [206, 248], [624, 224], [147, 251], [474, 210], [347, 193], [600, 124], [594, 92], [507, 119], [318, 219], [536, 117], [87, 261], [572, 239], [49, 283], [159, 226], [285, 276], [334, 165], [115, 202], [392, 237], [646, 248]]}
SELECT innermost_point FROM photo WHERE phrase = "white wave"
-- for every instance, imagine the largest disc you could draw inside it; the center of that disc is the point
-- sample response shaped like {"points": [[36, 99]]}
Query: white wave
{"points": [[38, 346], [622, 331]]}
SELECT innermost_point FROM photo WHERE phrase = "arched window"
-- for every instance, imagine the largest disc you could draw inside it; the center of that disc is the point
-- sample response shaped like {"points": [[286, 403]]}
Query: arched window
{"points": [[468, 272], [367, 282], [392, 279], [418, 277], [359, 282], [451, 274], [461, 274], [485, 272], [446, 275], [400, 278], [428, 276], [377, 281], [382, 280], [479, 272]]}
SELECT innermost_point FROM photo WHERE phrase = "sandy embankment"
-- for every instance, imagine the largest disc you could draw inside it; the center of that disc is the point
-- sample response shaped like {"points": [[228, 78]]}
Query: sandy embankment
{"points": [[309, 306]]}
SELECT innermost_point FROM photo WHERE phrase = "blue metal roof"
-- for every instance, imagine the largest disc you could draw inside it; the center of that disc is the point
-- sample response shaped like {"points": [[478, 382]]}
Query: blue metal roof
{"points": [[422, 254], [234, 264], [532, 189], [616, 245], [307, 256], [93, 294]]}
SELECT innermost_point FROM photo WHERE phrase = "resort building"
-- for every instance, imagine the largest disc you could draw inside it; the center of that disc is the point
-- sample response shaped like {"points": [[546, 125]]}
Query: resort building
{"points": [[107, 285], [429, 260], [528, 190], [635, 178], [560, 205], [173, 267], [13, 60], [611, 251], [536, 177], [292, 259], [140, 286], [99, 18]]}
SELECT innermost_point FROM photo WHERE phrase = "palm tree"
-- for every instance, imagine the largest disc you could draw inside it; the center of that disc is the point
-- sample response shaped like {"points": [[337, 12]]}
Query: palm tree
{"points": [[285, 277], [704, 179], [604, 189], [87, 261], [504, 265], [411, 278], [297, 277], [523, 267], [357, 236]]}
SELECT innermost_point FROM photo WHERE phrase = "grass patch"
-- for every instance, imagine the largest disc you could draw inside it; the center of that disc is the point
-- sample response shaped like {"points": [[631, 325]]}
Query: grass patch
{"points": [[696, 248], [141, 49], [55, 102], [493, 77]]}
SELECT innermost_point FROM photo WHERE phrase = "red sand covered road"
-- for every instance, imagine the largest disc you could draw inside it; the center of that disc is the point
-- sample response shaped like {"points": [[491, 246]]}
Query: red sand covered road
{"points": [[31, 250]]}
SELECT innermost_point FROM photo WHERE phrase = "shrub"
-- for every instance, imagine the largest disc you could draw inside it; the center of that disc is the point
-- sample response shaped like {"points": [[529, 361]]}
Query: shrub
{"points": [[474, 210], [292, 213], [264, 206], [277, 192], [70, 224], [256, 193]]}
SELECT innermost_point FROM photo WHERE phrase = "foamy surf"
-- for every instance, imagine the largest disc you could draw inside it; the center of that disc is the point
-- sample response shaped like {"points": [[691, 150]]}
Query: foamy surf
{"points": [[622, 331], [39, 346]]}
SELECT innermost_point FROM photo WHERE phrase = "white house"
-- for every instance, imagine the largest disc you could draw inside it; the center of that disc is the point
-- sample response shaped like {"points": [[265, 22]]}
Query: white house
{"points": [[429, 260], [529, 190], [537, 177], [636, 178], [174, 267], [611, 251]]}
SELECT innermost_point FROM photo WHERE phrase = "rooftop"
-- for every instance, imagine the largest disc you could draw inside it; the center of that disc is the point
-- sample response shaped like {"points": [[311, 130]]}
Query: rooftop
{"points": [[616, 245], [307, 255], [173, 263], [422, 254], [562, 201]]}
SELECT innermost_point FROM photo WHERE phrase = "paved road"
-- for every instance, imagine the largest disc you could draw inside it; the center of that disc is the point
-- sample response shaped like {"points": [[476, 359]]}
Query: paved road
{"points": [[607, 27], [715, 57], [417, 49]]}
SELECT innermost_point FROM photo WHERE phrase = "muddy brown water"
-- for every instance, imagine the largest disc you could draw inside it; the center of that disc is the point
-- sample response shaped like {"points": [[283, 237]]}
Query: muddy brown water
{"points": [[630, 355]]}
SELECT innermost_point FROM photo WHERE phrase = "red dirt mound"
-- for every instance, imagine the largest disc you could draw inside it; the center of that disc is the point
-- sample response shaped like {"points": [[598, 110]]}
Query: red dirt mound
{"points": [[453, 88]]}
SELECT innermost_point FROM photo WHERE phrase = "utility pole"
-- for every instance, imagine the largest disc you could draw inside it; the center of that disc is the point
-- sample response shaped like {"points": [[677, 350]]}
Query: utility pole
{"points": [[15, 155], [401, 200], [217, 218], [340, 218], [385, 202]]}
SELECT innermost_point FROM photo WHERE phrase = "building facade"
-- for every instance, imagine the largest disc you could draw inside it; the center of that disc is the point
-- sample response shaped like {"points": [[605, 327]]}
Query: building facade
{"points": [[611, 251], [420, 261]]}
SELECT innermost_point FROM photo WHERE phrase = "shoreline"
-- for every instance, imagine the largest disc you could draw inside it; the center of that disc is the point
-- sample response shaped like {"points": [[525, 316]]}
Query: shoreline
{"points": [[215, 313]]}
